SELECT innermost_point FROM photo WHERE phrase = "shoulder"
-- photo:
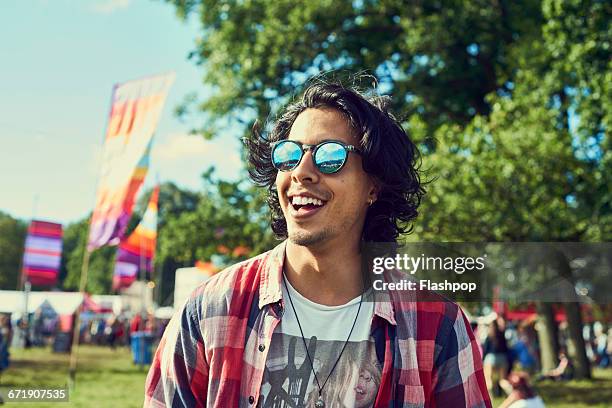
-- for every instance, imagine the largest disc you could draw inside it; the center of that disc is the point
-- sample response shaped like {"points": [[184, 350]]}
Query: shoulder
{"points": [[443, 324], [438, 326], [215, 296], [427, 310]]}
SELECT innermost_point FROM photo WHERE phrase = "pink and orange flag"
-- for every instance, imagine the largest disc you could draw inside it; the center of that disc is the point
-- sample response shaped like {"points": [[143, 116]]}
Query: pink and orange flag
{"points": [[136, 252], [135, 110]]}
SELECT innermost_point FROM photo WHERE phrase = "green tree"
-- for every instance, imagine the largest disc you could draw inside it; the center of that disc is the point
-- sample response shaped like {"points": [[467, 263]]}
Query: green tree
{"points": [[439, 59], [538, 167], [173, 201], [12, 238], [196, 226], [228, 214], [510, 101], [101, 261]]}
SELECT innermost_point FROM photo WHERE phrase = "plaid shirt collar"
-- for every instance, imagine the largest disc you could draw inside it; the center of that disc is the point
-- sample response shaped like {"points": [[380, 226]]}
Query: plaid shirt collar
{"points": [[270, 285]]}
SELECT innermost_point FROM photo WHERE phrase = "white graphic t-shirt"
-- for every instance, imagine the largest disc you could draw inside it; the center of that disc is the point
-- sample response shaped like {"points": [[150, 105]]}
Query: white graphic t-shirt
{"points": [[288, 379]]}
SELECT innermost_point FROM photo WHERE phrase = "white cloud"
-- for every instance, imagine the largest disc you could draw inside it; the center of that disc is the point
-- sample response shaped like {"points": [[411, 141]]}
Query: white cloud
{"points": [[181, 146], [182, 158], [109, 6]]}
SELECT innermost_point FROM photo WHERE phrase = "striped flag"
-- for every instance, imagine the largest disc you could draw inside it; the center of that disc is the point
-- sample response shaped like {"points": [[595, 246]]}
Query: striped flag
{"points": [[135, 110], [138, 250], [43, 253]]}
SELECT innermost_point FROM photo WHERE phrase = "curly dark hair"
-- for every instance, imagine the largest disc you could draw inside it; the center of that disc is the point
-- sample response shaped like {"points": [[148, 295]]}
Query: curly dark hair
{"points": [[388, 155]]}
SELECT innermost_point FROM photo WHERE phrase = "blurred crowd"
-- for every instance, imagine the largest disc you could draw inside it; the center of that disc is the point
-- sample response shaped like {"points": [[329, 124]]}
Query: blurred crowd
{"points": [[40, 330], [116, 330], [511, 358], [510, 351]]}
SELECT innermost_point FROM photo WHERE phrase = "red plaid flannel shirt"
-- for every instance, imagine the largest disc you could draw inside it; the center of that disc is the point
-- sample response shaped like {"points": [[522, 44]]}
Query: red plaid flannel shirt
{"points": [[213, 352]]}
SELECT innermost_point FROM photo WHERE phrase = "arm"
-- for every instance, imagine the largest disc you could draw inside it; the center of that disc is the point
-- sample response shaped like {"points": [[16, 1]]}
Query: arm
{"points": [[511, 399], [560, 369], [458, 379], [179, 373], [486, 347]]}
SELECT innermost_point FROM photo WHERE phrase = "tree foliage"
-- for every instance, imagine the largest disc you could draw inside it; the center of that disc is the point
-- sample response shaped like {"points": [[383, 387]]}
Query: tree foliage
{"points": [[439, 59], [12, 238], [516, 94], [227, 214], [101, 261], [509, 101]]}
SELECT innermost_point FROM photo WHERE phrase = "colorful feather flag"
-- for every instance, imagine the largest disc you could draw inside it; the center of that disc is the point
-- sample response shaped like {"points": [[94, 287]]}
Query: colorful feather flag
{"points": [[138, 250], [135, 110], [43, 253]]}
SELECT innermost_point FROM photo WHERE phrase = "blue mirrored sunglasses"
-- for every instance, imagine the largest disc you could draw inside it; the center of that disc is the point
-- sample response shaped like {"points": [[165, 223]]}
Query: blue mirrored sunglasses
{"points": [[328, 156]]}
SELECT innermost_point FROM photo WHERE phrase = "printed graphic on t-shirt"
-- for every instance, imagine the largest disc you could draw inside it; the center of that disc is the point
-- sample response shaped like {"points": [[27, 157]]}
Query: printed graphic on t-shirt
{"points": [[289, 380]]}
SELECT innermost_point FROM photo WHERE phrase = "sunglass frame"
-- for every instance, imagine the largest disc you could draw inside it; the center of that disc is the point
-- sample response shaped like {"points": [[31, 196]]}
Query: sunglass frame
{"points": [[304, 147]]}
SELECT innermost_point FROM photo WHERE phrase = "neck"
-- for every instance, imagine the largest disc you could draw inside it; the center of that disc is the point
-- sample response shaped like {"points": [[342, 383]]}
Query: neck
{"points": [[328, 273]]}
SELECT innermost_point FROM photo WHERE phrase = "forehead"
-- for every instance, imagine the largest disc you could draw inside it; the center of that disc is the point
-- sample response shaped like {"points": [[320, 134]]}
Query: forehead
{"points": [[316, 125]]}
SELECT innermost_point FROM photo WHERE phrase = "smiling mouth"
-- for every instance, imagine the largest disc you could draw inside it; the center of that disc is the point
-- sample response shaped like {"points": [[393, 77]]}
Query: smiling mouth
{"points": [[303, 205]]}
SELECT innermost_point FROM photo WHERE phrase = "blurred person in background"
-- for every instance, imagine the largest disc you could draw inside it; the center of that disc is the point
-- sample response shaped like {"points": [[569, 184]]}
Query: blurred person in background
{"points": [[20, 331], [111, 331], [121, 333], [601, 345], [97, 331], [150, 324], [609, 345], [6, 335], [524, 351], [563, 371], [136, 324], [495, 357], [36, 328], [520, 393]]}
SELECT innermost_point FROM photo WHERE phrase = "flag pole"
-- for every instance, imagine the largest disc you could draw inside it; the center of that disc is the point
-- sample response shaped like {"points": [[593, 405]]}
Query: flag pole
{"points": [[84, 271], [77, 320], [142, 302], [21, 285], [86, 255], [24, 284]]}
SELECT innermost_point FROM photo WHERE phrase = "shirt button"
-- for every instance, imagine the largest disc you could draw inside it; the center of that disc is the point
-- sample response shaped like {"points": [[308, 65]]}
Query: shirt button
{"points": [[262, 347], [251, 399]]}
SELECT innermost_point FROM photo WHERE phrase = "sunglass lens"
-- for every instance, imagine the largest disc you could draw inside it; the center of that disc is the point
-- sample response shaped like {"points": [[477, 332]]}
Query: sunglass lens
{"points": [[330, 157], [286, 155]]}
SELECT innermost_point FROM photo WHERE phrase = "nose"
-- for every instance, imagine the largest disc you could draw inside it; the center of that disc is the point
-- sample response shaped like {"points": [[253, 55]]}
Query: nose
{"points": [[305, 172]]}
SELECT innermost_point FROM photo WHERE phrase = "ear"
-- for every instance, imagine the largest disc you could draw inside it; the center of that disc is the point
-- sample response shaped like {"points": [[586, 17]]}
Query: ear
{"points": [[374, 190]]}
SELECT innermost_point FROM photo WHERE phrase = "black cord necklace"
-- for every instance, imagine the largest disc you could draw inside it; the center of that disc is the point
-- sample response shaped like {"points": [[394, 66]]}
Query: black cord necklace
{"points": [[320, 403]]}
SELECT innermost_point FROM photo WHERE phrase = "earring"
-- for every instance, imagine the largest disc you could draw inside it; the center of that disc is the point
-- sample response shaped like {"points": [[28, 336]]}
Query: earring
{"points": [[370, 202]]}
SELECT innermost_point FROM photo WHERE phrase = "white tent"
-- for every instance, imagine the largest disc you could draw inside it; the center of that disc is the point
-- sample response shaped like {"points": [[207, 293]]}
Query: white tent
{"points": [[64, 303], [13, 301], [185, 282]]}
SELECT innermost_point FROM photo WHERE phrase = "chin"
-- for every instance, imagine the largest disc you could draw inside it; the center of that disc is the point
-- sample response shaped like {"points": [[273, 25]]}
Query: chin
{"points": [[307, 238]]}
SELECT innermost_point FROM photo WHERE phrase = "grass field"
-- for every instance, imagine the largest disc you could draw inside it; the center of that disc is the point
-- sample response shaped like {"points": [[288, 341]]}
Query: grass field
{"points": [[596, 392], [107, 378]]}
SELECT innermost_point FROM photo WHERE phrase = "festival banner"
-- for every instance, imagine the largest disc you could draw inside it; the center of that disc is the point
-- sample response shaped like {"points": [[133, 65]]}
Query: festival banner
{"points": [[137, 251], [135, 110], [43, 253]]}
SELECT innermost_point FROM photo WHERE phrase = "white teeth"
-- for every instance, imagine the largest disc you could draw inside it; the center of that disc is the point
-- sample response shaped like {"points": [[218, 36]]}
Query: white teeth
{"points": [[300, 200]]}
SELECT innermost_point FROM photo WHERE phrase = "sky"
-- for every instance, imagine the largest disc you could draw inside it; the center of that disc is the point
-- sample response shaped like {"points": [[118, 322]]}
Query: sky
{"points": [[59, 60]]}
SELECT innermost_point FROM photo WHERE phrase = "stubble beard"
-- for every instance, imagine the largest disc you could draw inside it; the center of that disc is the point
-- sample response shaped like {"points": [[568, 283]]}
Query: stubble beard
{"points": [[307, 238]]}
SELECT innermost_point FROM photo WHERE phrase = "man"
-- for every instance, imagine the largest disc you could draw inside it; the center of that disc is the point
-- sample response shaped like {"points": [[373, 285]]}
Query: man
{"points": [[296, 326]]}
